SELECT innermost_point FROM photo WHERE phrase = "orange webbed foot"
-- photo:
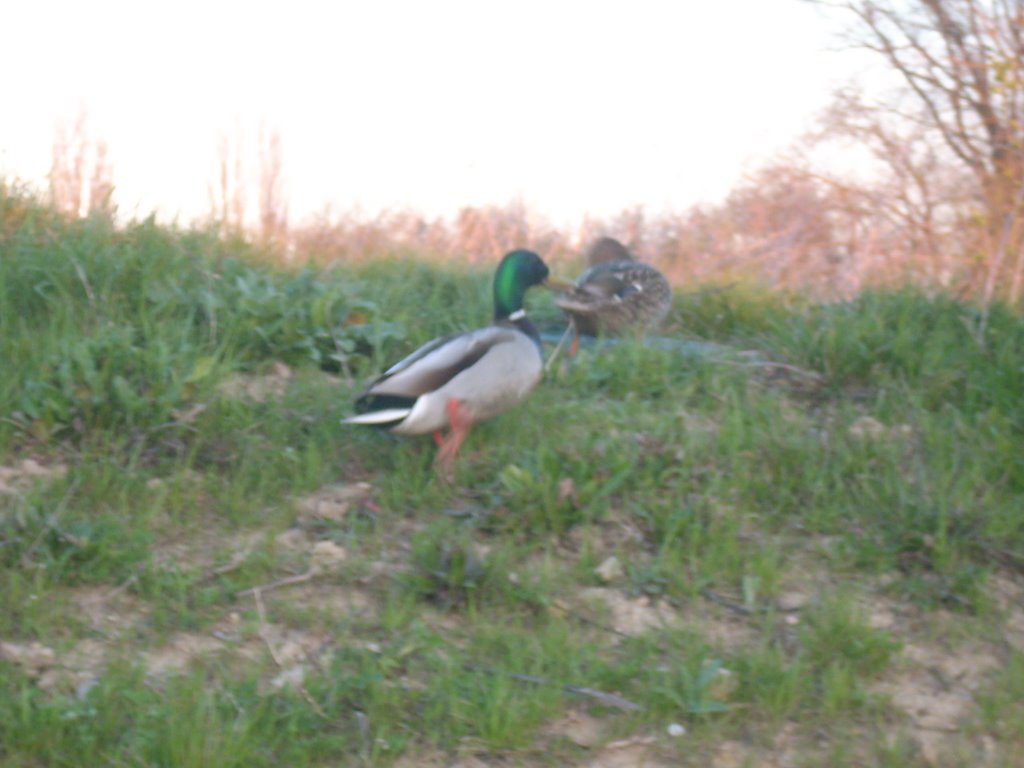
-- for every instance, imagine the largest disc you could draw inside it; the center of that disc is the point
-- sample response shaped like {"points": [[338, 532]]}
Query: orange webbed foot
{"points": [[574, 347], [460, 423]]}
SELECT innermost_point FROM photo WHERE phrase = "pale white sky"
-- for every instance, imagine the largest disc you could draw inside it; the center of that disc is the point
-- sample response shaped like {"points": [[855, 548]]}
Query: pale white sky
{"points": [[571, 106]]}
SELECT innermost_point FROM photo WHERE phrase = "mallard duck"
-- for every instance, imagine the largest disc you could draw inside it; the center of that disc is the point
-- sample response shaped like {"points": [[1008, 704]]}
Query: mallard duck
{"points": [[616, 293], [458, 380]]}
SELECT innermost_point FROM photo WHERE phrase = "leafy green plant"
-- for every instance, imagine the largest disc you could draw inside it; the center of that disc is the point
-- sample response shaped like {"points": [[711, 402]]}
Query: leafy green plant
{"points": [[299, 318], [451, 570], [695, 688], [113, 378], [834, 631], [1001, 701]]}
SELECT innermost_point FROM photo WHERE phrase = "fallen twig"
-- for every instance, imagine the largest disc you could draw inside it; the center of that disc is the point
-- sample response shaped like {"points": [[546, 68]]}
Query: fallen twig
{"points": [[261, 613], [717, 599], [596, 624], [1004, 557], [127, 583], [50, 524], [237, 561], [264, 633], [558, 347], [772, 364], [288, 581], [234, 564], [610, 699], [363, 723]]}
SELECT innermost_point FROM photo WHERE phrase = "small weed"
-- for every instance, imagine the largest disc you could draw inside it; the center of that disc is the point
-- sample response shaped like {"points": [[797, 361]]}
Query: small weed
{"points": [[695, 688], [776, 686], [834, 632], [450, 570], [1001, 702]]}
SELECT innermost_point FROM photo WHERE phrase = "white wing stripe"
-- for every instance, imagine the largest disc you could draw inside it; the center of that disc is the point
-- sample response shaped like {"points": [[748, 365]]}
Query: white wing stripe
{"points": [[378, 417]]}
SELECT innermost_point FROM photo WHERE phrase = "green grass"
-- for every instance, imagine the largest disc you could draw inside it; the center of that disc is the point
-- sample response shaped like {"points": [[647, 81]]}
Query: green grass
{"points": [[467, 617]]}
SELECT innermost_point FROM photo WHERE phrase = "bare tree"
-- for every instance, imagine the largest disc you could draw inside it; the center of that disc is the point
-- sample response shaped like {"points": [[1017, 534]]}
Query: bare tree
{"points": [[240, 183], [228, 195], [961, 63], [81, 177], [482, 231], [101, 182], [273, 206]]}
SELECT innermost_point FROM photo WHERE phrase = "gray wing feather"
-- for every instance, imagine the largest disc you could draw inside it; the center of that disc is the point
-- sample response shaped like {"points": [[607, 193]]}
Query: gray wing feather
{"points": [[436, 363]]}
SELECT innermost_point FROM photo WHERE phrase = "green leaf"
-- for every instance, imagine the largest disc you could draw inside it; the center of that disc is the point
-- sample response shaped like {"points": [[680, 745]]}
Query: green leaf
{"points": [[203, 367]]}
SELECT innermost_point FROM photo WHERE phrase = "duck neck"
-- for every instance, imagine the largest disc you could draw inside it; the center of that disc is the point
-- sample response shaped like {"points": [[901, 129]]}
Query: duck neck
{"points": [[508, 291], [521, 322]]}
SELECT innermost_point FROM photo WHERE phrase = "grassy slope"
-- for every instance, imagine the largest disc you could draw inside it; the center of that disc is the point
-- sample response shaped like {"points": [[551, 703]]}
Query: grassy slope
{"points": [[724, 487]]}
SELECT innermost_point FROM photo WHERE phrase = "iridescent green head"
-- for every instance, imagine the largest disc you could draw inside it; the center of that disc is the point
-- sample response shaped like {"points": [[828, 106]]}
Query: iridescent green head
{"points": [[518, 271]]}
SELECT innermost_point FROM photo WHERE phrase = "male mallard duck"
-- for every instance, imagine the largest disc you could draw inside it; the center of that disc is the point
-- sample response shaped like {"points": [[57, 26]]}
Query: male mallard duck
{"points": [[615, 293], [467, 377]]}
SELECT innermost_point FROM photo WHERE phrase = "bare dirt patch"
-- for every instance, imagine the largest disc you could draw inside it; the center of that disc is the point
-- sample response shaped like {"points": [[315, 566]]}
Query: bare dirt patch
{"points": [[1007, 592], [581, 729], [887, 614], [214, 551], [259, 387], [183, 648], [725, 630], [610, 570], [33, 657], [284, 651], [615, 534], [331, 598], [112, 615], [782, 753], [78, 669], [16, 478], [634, 752], [289, 645], [70, 672], [109, 612], [870, 428], [426, 758], [333, 502], [934, 686], [630, 615]]}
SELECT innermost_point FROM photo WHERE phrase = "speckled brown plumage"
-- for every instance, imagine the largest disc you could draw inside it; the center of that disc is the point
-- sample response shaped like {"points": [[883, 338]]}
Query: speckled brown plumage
{"points": [[616, 293]]}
